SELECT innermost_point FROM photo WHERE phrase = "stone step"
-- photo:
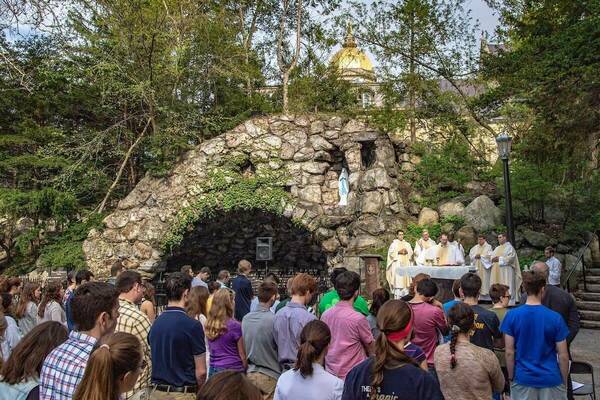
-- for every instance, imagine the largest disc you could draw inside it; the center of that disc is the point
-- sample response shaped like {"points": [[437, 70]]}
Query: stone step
{"points": [[592, 271], [591, 287], [588, 305], [591, 279], [590, 324], [590, 315], [587, 296]]}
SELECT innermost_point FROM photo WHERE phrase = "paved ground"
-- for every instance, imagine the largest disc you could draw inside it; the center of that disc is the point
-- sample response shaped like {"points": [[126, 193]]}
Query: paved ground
{"points": [[586, 347]]}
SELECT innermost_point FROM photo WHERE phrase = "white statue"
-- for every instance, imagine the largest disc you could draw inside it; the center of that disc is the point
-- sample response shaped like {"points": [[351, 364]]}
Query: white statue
{"points": [[343, 187]]}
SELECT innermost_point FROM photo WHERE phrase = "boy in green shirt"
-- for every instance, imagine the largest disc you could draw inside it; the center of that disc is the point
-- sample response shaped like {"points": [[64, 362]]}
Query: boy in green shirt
{"points": [[330, 298]]}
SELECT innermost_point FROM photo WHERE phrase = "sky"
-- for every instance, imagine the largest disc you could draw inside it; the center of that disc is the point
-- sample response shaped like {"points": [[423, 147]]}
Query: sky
{"points": [[488, 20]]}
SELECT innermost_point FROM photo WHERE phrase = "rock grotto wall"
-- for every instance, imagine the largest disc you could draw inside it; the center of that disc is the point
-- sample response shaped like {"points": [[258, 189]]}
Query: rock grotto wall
{"points": [[312, 150]]}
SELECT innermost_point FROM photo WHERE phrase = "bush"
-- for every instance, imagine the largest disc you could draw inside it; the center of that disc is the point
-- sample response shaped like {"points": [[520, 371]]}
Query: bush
{"points": [[444, 170]]}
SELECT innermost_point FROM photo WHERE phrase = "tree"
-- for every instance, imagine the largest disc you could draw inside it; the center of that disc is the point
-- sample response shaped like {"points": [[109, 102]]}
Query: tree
{"points": [[547, 87], [420, 44], [288, 7]]}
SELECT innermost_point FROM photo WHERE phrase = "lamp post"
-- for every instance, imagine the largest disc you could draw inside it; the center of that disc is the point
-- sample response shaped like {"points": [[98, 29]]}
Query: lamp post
{"points": [[504, 142]]}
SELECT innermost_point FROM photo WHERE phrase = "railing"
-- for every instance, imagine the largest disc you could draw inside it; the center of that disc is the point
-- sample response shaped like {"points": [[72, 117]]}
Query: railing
{"points": [[580, 259]]}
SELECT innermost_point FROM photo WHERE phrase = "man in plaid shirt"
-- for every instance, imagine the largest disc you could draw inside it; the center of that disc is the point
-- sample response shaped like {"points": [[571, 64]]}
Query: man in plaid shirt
{"points": [[132, 320], [95, 310]]}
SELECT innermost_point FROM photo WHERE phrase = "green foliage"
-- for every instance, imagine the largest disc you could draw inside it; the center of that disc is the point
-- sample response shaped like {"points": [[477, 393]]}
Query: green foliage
{"points": [[320, 89], [64, 251], [456, 221], [413, 232], [226, 189], [546, 88], [445, 169]]}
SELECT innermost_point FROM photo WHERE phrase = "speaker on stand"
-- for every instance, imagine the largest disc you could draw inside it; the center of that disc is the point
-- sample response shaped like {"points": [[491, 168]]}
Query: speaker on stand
{"points": [[264, 251]]}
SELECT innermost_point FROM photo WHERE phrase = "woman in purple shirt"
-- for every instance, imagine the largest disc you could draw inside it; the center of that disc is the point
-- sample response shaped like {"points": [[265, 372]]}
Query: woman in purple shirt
{"points": [[224, 335]]}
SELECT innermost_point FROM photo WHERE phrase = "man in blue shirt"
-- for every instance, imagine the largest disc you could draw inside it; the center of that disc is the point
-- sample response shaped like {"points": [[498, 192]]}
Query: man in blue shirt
{"points": [[81, 277], [536, 346], [242, 287], [177, 345]]}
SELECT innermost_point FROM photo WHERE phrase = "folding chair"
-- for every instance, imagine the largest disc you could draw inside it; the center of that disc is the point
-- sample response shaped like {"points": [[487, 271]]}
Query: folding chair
{"points": [[583, 368]]}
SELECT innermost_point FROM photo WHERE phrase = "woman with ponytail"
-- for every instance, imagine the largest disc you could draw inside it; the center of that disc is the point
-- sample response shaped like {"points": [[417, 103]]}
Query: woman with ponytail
{"points": [[112, 369], [466, 371], [308, 380], [391, 373]]}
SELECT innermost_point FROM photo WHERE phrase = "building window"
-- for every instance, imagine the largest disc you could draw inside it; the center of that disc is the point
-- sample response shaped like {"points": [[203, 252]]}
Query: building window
{"points": [[366, 99]]}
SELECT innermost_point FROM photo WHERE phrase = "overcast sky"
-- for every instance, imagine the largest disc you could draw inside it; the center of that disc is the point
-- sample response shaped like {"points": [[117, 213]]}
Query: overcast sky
{"points": [[488, 20]]}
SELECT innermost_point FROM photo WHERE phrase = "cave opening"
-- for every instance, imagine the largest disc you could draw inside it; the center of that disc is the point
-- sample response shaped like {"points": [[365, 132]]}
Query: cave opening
{"points": [[221, 241]]}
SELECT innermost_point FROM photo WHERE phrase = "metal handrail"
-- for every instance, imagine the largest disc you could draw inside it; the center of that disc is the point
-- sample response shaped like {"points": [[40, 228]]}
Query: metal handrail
{"points": [[574, 267]]}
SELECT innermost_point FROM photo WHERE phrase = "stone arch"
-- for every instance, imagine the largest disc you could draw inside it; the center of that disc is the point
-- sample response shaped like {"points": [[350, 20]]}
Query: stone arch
{"points": [[226, 237], [310, 151]]}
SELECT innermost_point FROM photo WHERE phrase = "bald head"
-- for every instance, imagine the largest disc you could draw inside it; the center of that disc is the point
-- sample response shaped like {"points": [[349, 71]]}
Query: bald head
{"points": [[542, 268]]}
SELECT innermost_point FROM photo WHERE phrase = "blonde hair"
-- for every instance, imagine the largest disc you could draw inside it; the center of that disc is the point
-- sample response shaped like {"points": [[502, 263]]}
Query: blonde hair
{"points": [[221, 311]]}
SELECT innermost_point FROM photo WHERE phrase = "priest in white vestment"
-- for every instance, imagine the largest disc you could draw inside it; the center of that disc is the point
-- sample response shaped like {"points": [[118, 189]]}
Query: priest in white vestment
{"points": [[456, 243], [481, 258], [399, 255], [423, 244], [505, 268], [442, 254]]}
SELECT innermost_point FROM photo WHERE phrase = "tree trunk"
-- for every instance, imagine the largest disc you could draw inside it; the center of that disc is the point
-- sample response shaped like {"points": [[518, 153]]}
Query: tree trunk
{"points": [[123, 165], [412, 94], [285, 78]]}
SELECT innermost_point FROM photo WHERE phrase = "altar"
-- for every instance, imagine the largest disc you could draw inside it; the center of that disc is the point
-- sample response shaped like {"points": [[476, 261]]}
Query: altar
{"points": [[443, 276]]}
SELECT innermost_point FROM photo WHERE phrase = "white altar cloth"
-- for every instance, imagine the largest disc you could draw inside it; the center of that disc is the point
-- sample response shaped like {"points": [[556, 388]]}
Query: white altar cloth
{"points": [[442, 272]]}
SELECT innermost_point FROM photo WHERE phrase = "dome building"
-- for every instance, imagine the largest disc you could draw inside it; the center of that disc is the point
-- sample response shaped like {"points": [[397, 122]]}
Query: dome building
{"points": [[353, 63], [355, 66]]}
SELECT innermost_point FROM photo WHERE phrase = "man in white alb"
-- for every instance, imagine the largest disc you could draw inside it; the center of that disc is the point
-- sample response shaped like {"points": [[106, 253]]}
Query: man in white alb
{"points": [[399, 255], [456, 243], [423, 244], [481, 258], [442, 254], [505, 267], [554, 267]]}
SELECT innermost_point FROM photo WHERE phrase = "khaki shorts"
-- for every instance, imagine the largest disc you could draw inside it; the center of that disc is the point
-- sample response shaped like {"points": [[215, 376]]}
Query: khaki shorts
{"points": [[264, 383]]}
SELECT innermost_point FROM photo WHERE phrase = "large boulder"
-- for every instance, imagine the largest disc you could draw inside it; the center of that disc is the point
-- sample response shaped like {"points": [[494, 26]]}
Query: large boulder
{"points": [[467, 237], [536, 239], [482, 214], [528, 252], [427, 216], [451, 208]]}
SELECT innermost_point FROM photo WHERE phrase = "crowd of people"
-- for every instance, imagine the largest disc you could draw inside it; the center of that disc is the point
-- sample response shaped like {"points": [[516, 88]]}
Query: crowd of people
{"points": [[219, 340]]}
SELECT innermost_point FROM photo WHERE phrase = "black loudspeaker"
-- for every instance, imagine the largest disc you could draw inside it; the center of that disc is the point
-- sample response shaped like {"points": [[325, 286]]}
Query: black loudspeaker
{"points": [[264, 249]]}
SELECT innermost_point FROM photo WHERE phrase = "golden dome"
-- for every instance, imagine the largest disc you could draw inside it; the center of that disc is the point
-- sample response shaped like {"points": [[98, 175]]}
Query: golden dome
{"points": [[350, 60]]}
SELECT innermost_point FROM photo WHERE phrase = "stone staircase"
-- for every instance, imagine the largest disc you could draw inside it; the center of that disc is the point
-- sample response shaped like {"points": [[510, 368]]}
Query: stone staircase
{"points": [[588, 301]]}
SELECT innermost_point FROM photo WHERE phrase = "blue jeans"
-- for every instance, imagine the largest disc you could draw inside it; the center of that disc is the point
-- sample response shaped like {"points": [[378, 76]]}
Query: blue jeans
{"points": [[520, 392]]}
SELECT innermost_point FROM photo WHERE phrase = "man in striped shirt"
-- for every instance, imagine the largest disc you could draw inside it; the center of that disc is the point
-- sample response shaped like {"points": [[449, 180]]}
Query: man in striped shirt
{"points": [[132, 320], [95, 310]]}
